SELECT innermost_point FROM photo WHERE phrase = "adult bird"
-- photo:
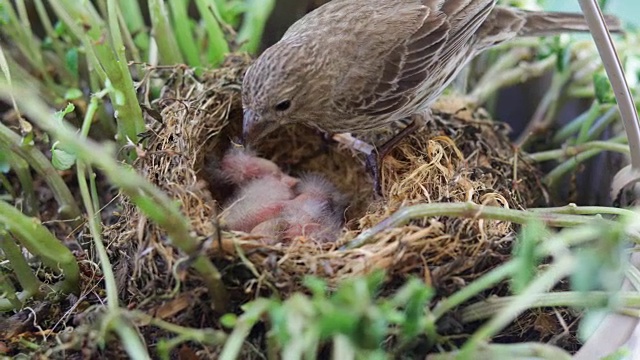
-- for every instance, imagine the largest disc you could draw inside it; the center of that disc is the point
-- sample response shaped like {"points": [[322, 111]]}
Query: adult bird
{"points": [[355, 66]]}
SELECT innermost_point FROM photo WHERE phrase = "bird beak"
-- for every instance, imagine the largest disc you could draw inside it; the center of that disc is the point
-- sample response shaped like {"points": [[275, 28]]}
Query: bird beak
{"points": [[255, 128], [249, 120]]}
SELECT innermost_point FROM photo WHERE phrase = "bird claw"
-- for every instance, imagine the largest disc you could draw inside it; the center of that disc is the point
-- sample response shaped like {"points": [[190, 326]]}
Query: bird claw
{"points": [[372, 163]]}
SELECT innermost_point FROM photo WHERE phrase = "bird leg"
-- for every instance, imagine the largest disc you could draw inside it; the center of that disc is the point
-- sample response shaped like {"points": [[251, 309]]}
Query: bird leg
{"points": [[353, 143], [374, 159]]}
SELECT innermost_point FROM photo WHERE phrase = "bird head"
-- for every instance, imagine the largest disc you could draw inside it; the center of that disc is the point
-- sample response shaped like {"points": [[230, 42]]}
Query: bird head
{"points": [[280, 88]]}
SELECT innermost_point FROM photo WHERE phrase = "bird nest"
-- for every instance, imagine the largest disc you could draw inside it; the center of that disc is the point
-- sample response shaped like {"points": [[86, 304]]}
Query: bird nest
{"points": [[461, 156]]}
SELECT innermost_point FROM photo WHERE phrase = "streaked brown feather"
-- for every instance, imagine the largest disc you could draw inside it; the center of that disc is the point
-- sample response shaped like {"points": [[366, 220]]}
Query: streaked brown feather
{"points": [[444, 32], [405, 67], [358, 65], [473, 16]]}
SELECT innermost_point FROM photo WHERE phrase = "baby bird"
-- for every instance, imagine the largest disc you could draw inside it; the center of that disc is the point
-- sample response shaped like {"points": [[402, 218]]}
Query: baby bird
{"points": [[271, 230], [274, 205], [239, 166], [259, 200], [316, 212]]}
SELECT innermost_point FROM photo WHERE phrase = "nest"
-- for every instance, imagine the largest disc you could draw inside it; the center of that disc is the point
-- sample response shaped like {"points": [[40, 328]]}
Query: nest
{"points": [[460, 156]]}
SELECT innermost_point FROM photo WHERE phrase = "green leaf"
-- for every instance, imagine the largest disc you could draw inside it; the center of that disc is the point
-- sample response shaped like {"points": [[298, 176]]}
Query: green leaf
{"points": [[61, 159], [600, 266], [59, 115], [524, 251], [27, 139], [71, 61], [371, 331], [229, 320], [375, 281], [415, 309], [586, 276], [317, 286], [4, 16], [60, 28], [47, 43], [73, 94], [337, 321], [4, 162], [591, 320], [603, 89], [620, 354], [279, 330], [117, 96]]}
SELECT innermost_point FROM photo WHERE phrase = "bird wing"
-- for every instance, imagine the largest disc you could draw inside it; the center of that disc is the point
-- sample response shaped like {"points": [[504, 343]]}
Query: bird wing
{"points": [[447, 28]]}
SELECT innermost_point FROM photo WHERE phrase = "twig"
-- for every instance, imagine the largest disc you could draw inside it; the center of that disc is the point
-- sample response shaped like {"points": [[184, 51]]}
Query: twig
{"points": [[466, 209], [614, 70], [575, 299], [503, 76], [627, 107], [555, 272], [571, 151]]}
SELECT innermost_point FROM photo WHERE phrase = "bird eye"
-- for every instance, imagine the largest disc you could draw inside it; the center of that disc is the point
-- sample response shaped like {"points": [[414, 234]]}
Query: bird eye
{"points": [[283, 105]]}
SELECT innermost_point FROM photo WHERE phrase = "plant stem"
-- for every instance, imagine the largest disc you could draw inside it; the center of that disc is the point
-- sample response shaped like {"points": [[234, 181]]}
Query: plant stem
{"points": [[531, 350], [503, 76], [585, 210], [12, 141], [554, 176], [614, 70], [22, 170], [574, 126], [135, 24], [130, 339], [105, 51], [554, 273], [553, 246], [592, 115], [53, 36], [181, 24], [204, 336], [466, 209], [572, 151], [128, 40], [218, 46], [163, 34], [27, 279], [92, 216], [18, 29], [486, 281], [245, 323], [213, 282], [12, 301], [151, 200], [574, 299], [255, 17], [547, 107], [40, 242]]}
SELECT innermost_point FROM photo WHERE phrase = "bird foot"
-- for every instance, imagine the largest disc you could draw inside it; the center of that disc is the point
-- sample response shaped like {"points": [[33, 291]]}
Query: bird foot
{"points": [[372, 164], [372, 159], [353, 143]]}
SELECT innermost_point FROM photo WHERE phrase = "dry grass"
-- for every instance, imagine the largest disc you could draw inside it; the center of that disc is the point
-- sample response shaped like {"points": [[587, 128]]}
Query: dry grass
{"points": [[461, 156]]}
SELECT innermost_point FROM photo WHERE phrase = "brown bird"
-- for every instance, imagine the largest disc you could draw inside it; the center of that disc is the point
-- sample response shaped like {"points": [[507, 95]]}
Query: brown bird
{"points": [[359, 65]]}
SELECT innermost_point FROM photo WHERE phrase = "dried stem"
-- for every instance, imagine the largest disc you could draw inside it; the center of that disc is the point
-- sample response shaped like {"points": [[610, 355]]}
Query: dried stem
{"points": [[467, 209]]}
